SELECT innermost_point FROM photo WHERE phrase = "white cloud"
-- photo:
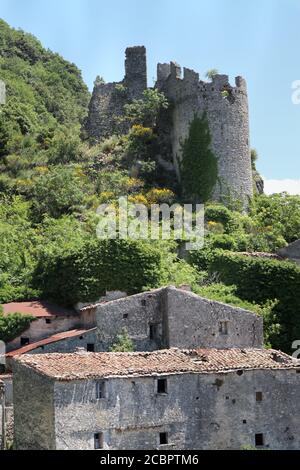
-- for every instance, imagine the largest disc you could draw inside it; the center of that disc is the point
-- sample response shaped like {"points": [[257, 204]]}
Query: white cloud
{"points": [[278, 186]]}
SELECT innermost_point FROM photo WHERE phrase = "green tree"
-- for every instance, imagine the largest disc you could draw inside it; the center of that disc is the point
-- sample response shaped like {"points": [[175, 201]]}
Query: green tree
{"points": [[145, 111], [211, 73], [123, 343], [278, 214], [99, 81], [56, 193], [198, 167]]}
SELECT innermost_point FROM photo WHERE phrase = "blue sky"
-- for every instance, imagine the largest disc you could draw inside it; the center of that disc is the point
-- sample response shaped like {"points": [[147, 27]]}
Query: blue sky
{"points": [[258, 39]]}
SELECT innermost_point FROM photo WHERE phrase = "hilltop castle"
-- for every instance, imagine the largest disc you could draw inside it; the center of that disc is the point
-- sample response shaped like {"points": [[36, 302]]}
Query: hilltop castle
{"points": [[226, 107]]}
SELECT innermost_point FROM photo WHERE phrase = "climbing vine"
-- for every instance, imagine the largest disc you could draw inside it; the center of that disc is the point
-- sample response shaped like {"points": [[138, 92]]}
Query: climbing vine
{"points": [[198, 167]]}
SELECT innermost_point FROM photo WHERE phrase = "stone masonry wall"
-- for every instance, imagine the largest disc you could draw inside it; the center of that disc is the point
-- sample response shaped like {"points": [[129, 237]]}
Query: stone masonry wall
{"points": [[200, 411], [177, 319], [33, 410], [106, 107], [135, 314], [194, 322]]}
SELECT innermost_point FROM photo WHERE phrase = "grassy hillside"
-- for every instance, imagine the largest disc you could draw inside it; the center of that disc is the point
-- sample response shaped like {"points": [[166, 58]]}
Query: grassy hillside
{"points": [[46, 96]]}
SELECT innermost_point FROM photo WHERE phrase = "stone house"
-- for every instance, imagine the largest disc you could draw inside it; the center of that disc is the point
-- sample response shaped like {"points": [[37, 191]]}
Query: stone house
{"points": [[168, 399], [171, 317], [50, 319], [67, 341]]}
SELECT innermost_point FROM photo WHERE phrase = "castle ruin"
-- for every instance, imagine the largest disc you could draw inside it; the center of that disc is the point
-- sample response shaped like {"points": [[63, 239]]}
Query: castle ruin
{"points": [[226, 107]]}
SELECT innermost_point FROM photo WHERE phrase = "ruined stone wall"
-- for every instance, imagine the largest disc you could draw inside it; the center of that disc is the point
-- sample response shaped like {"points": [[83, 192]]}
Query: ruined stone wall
{"points": [[33, 410], [228, 122], [135, 71], [181, 319], [200, 411], [194, 322], [106, 108]]}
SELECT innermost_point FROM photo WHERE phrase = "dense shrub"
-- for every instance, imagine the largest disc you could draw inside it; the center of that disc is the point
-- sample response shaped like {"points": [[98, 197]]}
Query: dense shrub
{"points": [[145, 111], [85, 273], [13, 325], [279, 213], [123, 343], [221, 214], [259, 280], [56, 193]]}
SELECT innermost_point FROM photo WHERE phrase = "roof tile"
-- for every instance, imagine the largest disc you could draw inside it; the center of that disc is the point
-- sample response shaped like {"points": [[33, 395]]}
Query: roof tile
{"points": [[80, 366]]}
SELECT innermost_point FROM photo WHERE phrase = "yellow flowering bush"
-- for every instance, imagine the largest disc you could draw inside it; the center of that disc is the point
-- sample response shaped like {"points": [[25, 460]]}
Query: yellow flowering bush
{"points": [[138, 199], [106, 196], [160, 196], [215, 227]]}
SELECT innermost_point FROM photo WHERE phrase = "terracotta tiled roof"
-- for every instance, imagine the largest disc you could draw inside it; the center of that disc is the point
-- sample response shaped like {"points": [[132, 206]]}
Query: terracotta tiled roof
{"points": [[38, 309], [80, 366], [49, 340]]}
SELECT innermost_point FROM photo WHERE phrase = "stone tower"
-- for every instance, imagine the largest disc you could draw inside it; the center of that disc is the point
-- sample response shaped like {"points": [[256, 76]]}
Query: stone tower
{"points": [[108, 99], [226, 107], [135, 71]]}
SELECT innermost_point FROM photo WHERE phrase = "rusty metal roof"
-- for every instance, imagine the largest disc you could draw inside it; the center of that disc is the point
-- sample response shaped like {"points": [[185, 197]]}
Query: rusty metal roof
{"points": [[51, 339]]}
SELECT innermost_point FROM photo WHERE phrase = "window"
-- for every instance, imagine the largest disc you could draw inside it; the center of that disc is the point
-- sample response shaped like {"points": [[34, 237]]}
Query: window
{"points": [[153, 331], [48, 321], [223, 327], [144, 302], [125, 316], [163, 438], [100, 390], [90, 347], [24, 341], [259, 440], [162, 386], [259, 396], [98, 440]]}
